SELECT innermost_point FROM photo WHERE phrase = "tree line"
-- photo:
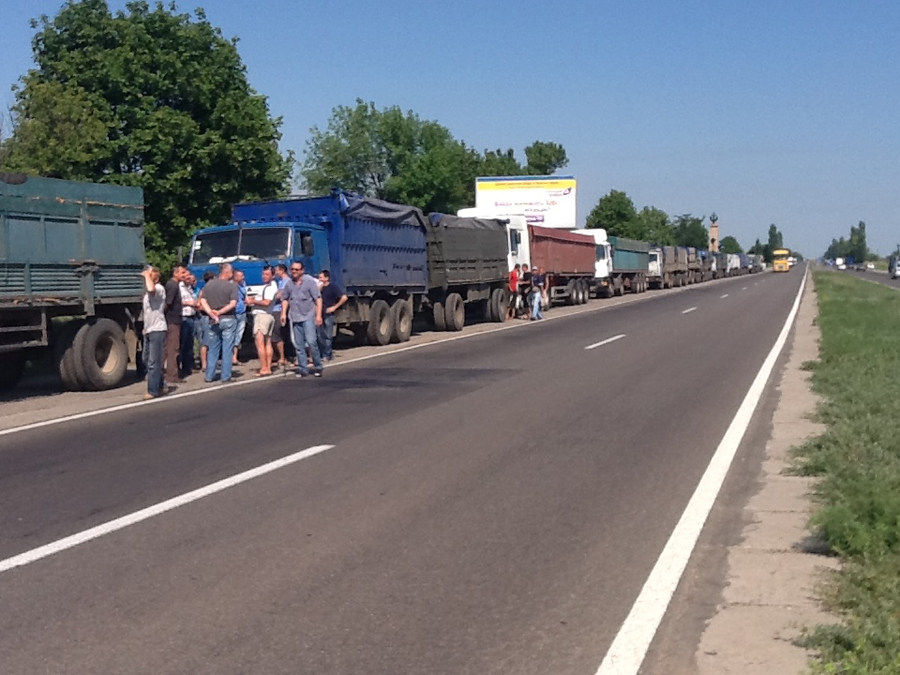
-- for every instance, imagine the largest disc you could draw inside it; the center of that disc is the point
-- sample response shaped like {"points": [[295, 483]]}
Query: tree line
{"points": [[154, 98]]}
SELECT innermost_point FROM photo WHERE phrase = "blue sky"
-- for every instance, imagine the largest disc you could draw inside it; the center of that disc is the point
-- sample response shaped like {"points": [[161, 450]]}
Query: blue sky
{"points": [[764, 112]]}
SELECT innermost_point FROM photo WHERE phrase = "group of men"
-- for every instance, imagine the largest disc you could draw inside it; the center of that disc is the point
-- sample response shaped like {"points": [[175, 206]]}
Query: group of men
{"points": [[531, 285], [295, 306]]}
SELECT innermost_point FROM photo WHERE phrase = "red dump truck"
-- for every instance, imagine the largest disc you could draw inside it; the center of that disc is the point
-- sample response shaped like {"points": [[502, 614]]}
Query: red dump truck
{"points": [[568, 262]]}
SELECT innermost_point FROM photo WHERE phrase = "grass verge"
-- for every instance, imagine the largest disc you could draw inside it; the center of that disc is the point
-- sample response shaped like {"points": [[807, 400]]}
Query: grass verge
{"points": [[858, 460]]}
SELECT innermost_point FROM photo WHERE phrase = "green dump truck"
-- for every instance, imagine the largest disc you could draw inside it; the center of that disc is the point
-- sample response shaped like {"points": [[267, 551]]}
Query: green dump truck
{"points": [[71, 254]]}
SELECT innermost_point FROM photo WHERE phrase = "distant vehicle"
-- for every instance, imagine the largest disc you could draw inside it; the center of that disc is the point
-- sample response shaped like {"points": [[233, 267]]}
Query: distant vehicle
{"points": [[870, 266], [894, 266], [781, 260]]}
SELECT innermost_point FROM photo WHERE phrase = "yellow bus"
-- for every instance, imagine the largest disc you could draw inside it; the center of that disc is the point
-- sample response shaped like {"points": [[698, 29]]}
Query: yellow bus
{"points": [[780, 260]]}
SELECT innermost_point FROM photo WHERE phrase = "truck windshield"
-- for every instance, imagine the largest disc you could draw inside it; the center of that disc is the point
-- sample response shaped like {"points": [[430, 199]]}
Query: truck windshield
{"points": [[268, 243]]}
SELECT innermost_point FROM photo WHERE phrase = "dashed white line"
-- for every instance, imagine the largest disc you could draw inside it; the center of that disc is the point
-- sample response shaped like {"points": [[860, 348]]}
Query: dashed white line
{"points": [[606, 341], [724, 296], [155, 510], [689, 310], [629, 648]]}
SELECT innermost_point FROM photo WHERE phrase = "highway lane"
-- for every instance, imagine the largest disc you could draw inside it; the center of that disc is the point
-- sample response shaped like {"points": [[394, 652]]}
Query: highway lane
{"points": [[490, 504]]}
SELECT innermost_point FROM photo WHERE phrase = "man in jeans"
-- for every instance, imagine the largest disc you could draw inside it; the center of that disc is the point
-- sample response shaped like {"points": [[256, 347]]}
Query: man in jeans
{"points": [[155, 329], [333, 297], [218, 300], [302, 301]]}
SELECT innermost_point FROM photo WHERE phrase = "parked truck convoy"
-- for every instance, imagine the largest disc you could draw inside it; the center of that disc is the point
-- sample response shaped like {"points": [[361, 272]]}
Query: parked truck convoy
{"points": [[393, 262], [71, 254]]}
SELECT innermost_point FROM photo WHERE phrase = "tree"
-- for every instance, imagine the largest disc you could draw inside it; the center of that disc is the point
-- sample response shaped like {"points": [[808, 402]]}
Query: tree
{"points": [[757, 248], [689, 231], [544, 158], [615, 213], [152, 98], [855, 247], [652, 225], [397, 156], [730, 245]]}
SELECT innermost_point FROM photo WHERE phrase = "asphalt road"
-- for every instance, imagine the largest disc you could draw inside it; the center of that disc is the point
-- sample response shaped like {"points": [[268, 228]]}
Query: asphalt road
{"points": [[490, 505]]}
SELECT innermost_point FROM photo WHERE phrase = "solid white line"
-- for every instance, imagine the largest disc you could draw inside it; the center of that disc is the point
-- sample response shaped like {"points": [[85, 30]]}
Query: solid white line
{"points": [[689, 310], [155, 510], [605, 342], [630, 646]]}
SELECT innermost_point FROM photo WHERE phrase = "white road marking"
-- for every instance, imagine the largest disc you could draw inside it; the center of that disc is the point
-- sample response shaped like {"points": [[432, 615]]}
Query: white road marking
{"points": [[744, 288], [629, 648], [689, 310], [606, 341], [724, 296], [59, 545]]}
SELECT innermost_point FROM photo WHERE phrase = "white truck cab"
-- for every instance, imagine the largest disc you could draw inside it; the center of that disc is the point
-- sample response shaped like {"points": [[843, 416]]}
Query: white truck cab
{"points": [[603, 259]]}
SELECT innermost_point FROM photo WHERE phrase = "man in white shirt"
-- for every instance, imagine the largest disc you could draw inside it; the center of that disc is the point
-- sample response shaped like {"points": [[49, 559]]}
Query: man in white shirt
{"points": [[155, 330], [264, 320], [188, 321]]}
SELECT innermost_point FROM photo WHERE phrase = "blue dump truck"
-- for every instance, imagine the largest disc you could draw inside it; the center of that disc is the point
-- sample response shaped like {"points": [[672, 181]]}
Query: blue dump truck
{"points": [[393, 262], [71, 254]]}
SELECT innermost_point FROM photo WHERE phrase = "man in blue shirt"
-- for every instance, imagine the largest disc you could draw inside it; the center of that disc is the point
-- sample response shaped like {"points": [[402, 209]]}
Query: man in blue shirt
{"points": [[302, 302], [537, 288]]}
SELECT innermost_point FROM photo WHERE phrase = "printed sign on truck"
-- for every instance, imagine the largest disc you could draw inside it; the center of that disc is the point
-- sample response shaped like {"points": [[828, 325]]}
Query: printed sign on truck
{"points": [[547, 201]]}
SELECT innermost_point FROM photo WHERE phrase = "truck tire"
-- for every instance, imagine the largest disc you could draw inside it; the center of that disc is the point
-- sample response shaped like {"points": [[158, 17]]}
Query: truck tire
{"points": [[440, 316], [585, 291], [401, 320], [380, 323], [571, 293], [12, 366], [498, 304], [67, 355], [103, 355], [455, 312]]}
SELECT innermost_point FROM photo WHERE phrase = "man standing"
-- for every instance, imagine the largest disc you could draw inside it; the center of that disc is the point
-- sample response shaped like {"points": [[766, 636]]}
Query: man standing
{"points": [[218, 300], [333, 297], [537, 288], [279, 332], [513, 292], [302, 301], [264, 321], [173, 321], [240, 312], [154, 315], [188, 321]]}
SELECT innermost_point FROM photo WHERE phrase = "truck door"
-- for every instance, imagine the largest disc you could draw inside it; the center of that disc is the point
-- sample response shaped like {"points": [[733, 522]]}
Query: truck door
{"points": [[311, 248]]}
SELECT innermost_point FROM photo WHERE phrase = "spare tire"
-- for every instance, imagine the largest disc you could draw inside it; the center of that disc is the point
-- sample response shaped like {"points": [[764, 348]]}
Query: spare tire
{"points": [[103, 355]]}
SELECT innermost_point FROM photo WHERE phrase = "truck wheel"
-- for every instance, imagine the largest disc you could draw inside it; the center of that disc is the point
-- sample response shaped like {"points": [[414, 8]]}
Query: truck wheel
{"points": [[455, 312], [12, 366], [401, 320], [585, 291], [498, 303], [380, 323], [571, 293], [67, 355], [440, 316], [103, 354]]}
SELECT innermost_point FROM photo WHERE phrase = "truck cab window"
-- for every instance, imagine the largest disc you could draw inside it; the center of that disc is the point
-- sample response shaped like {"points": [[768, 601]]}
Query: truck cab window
{"points": [[306, 244]]}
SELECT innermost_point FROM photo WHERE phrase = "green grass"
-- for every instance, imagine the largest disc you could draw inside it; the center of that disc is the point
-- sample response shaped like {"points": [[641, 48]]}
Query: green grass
{"points": [[858, 460]]}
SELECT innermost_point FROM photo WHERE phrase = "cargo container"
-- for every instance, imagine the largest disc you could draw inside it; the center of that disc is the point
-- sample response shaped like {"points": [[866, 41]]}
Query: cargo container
{"points": [[568, 260], [620, 264], [467, 265], [71, 255]]}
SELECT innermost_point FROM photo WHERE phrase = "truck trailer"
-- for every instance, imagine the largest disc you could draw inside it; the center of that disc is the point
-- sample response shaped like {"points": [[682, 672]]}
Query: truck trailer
{"points": [[71, 255], [620, 264]]}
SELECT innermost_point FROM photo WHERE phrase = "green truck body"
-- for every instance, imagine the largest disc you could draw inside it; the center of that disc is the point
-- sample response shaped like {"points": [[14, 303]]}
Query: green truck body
{"points": [[69, 249]]}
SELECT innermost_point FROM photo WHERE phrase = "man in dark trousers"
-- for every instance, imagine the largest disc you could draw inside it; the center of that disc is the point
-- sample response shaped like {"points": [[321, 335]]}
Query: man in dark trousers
{"points": [[333, 297], [173, 321]]}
